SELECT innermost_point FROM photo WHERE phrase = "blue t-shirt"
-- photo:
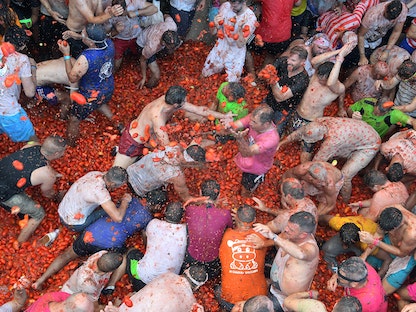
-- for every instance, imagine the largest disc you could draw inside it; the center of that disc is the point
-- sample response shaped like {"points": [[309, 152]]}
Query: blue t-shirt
{"points": [[110, 234]]}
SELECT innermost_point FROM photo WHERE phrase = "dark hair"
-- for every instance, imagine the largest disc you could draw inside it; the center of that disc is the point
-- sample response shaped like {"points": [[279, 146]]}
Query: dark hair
{"points": [[109, 261], [196, 152], [246, 213], [305, 220], [299, 51], [324, 69], [237, 90], [8, 16], [120, 2], [407, 69], [198, 273], [349, 234], [116, 175], [258, 303], [354, 269], [395, 172], [318, 171], [156, 197], [210, 188], [293, 188], [348, 304], [174, 212], [96, 32], [53, 144], [390, 218], [374, 177], [170, 38], [175, 95], [265, 113], [16, 36], [393, 9]]}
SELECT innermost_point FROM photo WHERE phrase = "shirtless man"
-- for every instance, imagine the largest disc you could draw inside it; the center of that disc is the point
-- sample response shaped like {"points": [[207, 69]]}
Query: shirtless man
{"points": [[152, 120], [321, 179], [394, 58], [324, 87], [385, 193], [297, 258], [362, 79], [397, 236], [342, 137]]}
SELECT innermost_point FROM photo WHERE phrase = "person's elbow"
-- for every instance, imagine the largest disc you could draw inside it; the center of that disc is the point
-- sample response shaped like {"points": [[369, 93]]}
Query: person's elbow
{"points": [[30, 92]]}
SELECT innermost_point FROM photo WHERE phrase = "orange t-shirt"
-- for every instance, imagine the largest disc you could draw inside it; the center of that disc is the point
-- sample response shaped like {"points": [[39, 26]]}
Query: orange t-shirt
{"points": [[242, 267]]}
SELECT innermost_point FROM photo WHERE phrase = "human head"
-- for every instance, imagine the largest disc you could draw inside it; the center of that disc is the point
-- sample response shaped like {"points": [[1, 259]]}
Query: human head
{"points": [[407, 70], [53, 147], [297, 57], [174, 212], [258, 303], [313, 132], [175, 95], [234, 91], [109, 261], [78, 302], [352, 272], [196, 275], [293, 188], [383, 106], [7, 16], [349, 234], [305, 220], [96, 33], [324, 70], [170, 41], [318, 172], [390, 218], [375, 178], [393, 9], [380, 70], [320, 44], [210, 188], [246, 214], [395, 172], [237, 5], [155, 199], [348, 304], [261, 118], [196, 153], [17, 37], [115, 177]]}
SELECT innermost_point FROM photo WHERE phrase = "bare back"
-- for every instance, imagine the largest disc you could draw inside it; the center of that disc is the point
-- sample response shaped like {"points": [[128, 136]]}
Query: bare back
{"points": [[79, 10], [405, 236]]}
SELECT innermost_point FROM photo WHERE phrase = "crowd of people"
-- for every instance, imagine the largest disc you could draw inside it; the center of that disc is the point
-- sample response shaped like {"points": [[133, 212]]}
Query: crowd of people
{"points": [[315, 54]]}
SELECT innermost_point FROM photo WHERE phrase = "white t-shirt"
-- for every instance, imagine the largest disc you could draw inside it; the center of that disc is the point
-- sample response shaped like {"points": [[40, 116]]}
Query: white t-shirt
{"points": [[165, 251], [86, 194]]}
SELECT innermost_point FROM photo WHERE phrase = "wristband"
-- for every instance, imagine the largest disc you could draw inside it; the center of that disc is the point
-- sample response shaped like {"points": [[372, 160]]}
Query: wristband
{"points": [[310, 294], [67, 57], [137, 13], [376, 242]]}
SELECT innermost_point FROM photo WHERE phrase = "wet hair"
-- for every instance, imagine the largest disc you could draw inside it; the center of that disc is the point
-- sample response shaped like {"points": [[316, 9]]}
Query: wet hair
{"points": [[349, 234], [210, 188], [293, 188], [393, 9], [324, 69], [407, 69], [7, 15], [196, 152], [258, 303], [120, 2], [348, 304], [116, 175], [265, 113], [17, 37], [109, 261], [354, 269], [156, 197], [237, 90], [317, 171], [389, 219], [198, 273], [395, 172], [374, 177], [246, 213], [170, 38], [53, 144], [299, 51], [174, 212], [175, 95], [305, 220], [96, 32]]}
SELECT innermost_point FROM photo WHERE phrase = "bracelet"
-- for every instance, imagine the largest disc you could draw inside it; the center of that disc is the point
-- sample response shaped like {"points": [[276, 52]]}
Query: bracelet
{"points": [[274, 237], [310, 294], [67, 57], [360, 204]]}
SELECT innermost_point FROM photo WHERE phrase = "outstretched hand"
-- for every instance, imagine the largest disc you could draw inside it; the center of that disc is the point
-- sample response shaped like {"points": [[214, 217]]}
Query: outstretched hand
{"points": [[264, 230]]}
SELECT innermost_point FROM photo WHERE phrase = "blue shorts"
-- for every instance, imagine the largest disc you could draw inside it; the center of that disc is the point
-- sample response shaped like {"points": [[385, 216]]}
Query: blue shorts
{"points": [[185, 20], [18, 127], [405, 45], [81, 112], [47, 93]]}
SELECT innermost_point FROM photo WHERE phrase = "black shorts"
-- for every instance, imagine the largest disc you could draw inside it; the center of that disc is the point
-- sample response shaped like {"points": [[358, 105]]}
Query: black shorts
{"points": [[82, 248], [213, 268], [81, 112], [276, 48], [137, 255], [251, 181]]}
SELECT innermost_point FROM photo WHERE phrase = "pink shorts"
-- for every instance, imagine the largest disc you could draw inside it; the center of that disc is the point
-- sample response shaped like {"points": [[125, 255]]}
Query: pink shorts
{"points": [[412, 291], [121, 46]]}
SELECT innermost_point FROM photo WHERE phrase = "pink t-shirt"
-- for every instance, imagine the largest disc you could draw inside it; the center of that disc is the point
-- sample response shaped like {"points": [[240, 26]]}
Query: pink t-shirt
{"points": [[276, 21], [42, 304], [372, 295], [267, 141]]}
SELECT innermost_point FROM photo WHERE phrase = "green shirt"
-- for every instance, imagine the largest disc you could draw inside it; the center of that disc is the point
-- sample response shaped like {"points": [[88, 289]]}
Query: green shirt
{"points": [[380, 123], [224, 106]]}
